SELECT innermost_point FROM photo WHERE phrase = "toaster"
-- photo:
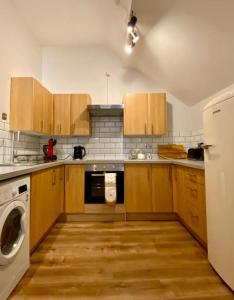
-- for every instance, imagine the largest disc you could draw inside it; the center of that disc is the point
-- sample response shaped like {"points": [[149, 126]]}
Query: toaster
{"points": [[196, 153]]}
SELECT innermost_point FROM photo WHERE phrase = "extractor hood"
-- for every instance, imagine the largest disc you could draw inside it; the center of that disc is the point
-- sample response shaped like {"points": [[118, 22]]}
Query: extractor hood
{"points": [[106, 109]]}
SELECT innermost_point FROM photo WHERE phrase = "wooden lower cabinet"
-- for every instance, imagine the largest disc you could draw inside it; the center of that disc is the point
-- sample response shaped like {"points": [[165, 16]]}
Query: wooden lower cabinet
{"points": [[178, 190], [137, 188], [47, 198], [162, 188], [189, 199], [148, 188], [74, 188]]}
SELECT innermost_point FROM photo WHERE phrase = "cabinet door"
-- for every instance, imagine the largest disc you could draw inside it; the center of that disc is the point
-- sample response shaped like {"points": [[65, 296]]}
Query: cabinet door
{"points": [[40, 208], [74, 189], [80, 120], [37, 106], [136, 114], [195, 210], [21, 98], [47, 112], [62, 114], [58, 192], [162, 188], [179, 191], [137, 188], [157, 113]]}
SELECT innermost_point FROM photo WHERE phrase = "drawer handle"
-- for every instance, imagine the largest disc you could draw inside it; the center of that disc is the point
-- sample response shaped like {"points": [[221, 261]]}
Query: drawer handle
{"points": [[193, 177], [194, 216], [193, 192]]}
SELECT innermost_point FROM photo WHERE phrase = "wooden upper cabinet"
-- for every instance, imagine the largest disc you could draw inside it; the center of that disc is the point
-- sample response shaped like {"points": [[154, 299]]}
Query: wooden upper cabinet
{"points": [[47, 125], [62, 114], [137, 188], [162, 188], [37, 106], [80, 119], [27, 93], [157, 113], [145, 114], [136, 114]]}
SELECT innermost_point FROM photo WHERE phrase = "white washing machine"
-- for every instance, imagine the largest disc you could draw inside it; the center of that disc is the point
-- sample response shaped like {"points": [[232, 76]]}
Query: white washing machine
{"points": [[14, 232]]}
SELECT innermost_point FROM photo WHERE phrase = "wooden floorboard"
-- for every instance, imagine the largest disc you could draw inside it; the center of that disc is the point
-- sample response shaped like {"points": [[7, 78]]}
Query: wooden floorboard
{"points": [[121, 260]]}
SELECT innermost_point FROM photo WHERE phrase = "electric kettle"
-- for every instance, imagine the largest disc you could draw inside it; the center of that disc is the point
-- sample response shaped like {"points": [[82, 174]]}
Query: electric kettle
{"points": [[79, 152]]}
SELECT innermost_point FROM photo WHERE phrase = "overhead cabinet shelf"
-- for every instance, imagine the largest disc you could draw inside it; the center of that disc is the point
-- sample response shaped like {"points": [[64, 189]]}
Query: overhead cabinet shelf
{"points": [[71, 116], [145, 114], [31, 106], [35, 110]]}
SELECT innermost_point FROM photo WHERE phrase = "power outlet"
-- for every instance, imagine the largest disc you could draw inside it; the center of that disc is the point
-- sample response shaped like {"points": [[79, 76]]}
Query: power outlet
{"points": [[4, 116]]}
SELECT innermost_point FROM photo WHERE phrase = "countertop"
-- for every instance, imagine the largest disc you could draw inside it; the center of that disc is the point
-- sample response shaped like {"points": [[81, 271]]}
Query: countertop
{"points": [[7, 172]]}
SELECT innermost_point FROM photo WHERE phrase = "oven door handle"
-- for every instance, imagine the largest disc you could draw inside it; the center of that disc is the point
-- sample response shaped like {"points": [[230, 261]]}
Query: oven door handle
{"points": [[98, 175]]}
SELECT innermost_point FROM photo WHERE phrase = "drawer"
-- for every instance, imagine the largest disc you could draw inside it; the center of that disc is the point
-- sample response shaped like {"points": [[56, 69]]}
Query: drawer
{"points": [[195, 221], [193, 176], [193, 196]]}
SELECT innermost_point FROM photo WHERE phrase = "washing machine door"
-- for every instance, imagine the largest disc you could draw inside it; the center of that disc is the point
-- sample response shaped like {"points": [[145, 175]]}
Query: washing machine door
{"points": [[12, 231]]}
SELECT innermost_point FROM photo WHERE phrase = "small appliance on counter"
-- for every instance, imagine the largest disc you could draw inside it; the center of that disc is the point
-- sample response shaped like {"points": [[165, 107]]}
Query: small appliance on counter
{"points": [[79, 152], [196, 153], [48, 151]]}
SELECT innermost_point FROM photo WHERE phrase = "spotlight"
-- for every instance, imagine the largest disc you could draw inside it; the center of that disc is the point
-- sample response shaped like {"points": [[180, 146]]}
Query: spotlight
{"points": [[132, 23], [135, 37], [129, 48]]}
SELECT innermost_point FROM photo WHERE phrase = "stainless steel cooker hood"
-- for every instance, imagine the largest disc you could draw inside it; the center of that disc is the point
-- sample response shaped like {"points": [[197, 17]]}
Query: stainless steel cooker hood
{"points": [[106, 109]]}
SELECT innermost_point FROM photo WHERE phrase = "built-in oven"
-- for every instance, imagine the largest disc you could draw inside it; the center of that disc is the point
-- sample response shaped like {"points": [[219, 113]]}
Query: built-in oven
{"points": [[95, 182]]}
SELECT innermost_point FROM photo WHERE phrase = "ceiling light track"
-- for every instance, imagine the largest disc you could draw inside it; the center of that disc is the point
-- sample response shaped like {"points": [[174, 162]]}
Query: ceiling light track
{"points": [[133, 36]]}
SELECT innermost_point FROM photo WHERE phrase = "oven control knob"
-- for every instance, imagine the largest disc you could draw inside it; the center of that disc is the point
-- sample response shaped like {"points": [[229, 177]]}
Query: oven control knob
{"points": [[104, 167], [94, 168], [113, 166]]}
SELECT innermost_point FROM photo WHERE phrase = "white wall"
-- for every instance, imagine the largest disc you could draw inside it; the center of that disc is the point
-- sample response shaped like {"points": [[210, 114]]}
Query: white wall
{"points": [[20, 55], [195, 114], [82, 69]]}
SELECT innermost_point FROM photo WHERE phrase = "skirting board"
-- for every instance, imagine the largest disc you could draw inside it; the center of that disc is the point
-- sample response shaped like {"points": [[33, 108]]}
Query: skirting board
{"points": [[103, 217], [89, 217]]}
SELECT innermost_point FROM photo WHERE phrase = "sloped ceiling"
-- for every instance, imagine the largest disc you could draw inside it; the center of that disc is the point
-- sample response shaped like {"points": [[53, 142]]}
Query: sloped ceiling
{"points": [[76, 22], [186, 46]]}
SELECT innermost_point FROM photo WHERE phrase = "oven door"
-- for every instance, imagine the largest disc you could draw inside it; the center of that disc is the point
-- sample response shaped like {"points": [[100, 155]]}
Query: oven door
{"points": [[95, 187]]}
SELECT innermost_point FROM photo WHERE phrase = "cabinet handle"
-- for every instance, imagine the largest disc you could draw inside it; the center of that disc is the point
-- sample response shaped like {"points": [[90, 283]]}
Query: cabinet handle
{"points": [[152, 129], [194, 216], [61, 174], [42, 125], [148, 173], [175, 173], [170, 174], [60, 128], [53, 178], [193, 177], [145, 128], [68, 174], [73, 127]]}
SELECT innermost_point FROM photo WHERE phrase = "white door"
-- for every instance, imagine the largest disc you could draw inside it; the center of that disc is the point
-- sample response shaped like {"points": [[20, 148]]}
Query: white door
{"points": [[219, 170], [12, 231]]}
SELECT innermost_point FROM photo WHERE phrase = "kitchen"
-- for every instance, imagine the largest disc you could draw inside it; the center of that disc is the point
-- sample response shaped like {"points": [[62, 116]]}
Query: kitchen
{"points": [[104, 190]]}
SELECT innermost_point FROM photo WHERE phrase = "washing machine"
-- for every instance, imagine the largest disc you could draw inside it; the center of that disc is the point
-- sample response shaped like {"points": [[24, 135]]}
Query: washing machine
{"points": [[14, 232]]}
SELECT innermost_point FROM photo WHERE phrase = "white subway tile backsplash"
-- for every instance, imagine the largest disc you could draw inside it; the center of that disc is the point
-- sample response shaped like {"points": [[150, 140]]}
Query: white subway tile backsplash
{"points": [[106, 142]]}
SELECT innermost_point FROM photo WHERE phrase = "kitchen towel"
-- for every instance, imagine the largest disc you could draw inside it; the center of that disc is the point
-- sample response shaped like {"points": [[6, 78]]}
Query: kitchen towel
{"points": [[110, 188]]}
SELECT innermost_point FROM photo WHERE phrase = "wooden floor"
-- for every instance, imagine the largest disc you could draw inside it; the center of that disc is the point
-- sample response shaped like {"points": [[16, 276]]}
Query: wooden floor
{"points": [[132, 260]]}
